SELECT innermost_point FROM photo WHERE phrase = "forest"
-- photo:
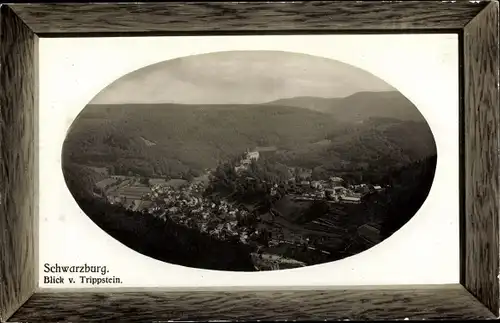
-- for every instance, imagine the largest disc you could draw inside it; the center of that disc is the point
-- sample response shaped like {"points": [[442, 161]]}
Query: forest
{"points": [[182, 141]]}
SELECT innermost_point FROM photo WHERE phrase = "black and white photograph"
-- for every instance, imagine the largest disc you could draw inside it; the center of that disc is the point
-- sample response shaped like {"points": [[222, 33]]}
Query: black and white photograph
{"points": [[249, 160]]}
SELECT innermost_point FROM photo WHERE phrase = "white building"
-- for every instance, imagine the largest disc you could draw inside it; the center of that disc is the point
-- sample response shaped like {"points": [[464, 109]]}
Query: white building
{"points": [[336, 179], [351, 199], [253, 155], [316, 184]]}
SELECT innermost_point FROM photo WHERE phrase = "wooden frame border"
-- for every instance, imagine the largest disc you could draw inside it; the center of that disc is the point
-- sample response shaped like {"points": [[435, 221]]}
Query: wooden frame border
{"points": [[476, 23]]}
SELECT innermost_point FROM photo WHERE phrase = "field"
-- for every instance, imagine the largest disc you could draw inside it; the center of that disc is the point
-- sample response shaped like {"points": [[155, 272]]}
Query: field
{"points": [[133, 191], [291, 210]]}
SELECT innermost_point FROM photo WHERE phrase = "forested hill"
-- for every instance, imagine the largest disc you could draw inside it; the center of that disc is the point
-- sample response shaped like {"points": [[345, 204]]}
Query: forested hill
{"points": [[358, 106], [365, 152], [173, 139], [410, 186], [183, 140]]}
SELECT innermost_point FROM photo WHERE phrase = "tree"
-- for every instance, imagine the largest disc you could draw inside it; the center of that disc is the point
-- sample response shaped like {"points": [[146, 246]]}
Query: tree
{"points": [[188, 176], [318, 173], [264, 237]]}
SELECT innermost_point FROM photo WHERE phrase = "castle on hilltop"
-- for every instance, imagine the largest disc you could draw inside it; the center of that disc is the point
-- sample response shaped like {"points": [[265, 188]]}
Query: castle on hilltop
{"points": [[247, 160]]}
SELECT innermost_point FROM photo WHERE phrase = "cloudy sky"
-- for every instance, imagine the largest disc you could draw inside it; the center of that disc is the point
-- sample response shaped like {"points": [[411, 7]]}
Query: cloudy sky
{"points": [[239, 77]]}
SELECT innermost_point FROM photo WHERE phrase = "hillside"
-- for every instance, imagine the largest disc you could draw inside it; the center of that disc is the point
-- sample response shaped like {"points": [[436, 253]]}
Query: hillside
{"points": [[185, 137], [365, 151], [358, 106], [166, 240], [177, 244], [410, 186], [175, 140]]}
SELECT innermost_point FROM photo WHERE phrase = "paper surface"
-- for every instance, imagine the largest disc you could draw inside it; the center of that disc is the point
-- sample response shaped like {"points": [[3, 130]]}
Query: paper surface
{"points": [[73, 71]]}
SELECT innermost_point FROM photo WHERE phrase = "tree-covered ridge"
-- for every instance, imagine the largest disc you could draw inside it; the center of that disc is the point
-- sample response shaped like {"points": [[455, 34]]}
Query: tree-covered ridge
{"points": [[359, 106], [172, 140], [184, 138]]}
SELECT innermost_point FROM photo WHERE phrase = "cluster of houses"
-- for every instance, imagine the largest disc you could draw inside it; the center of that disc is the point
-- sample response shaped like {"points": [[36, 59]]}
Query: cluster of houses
{"points": [[333, 190], [183, 202], [188, 207], [180, 201]]}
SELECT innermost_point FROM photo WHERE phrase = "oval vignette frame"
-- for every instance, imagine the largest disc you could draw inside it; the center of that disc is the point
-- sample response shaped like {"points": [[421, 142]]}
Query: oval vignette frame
{"points": [[266, 132]]}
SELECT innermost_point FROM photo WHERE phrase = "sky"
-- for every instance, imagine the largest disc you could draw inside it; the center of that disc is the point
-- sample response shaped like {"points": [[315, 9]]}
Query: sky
{"points": [[239, 77]]}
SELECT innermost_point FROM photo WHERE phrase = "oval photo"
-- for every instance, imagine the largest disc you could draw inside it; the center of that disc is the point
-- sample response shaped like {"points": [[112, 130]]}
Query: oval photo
{"points": [[249, 160]]}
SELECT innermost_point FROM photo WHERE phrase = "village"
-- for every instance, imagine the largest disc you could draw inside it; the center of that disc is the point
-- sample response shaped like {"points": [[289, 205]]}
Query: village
{"points": [[302, 187], [139, 194], [185, 203], [180, 201]]}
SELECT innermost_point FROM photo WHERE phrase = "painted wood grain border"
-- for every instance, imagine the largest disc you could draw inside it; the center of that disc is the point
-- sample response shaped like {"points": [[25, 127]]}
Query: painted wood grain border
{"points": [[482, 157], [18, 106], [259, 16], [475, 22]]}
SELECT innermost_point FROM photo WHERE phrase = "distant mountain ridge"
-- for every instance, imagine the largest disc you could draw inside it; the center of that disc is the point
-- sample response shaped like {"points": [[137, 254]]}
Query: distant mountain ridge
{"points": [[358, 106], [353, 108]]}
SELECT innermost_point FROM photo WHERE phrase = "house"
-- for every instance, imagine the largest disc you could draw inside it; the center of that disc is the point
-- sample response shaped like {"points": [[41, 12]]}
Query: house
{"points": [[173, 209], [320, 194], [363, 190], [331, 195], [330, 191], [339, 189], [253, 155], [105, 183], [114, 199], [336, 179], [305, 183], [351, 199], [240, 168], [304, 174], [316, 184]]}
